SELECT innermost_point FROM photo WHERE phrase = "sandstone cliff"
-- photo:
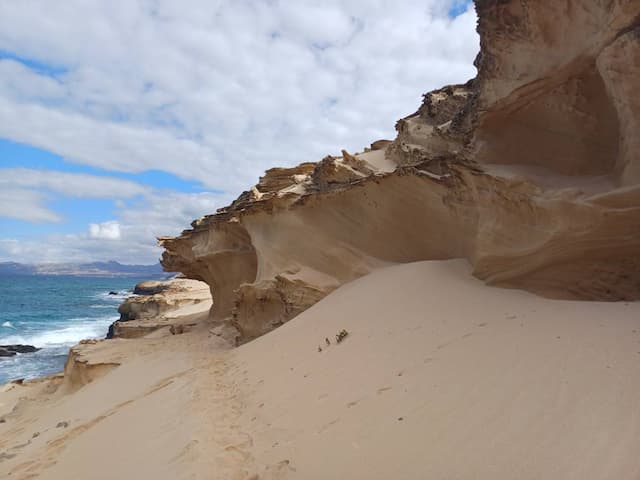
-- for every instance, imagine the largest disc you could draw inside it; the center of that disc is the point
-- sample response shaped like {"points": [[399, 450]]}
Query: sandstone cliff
{"points": [[531, 171], [160, 304]]}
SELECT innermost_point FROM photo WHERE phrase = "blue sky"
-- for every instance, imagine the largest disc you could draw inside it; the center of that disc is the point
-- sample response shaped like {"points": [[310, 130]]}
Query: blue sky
{"points": [[39, 67], [459, 7], [76, 214], [118, 124]]}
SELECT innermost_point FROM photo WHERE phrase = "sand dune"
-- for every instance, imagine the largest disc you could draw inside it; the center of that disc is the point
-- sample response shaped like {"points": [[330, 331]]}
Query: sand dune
{"points": [[439, 377], [442, 377], [126, 423]]}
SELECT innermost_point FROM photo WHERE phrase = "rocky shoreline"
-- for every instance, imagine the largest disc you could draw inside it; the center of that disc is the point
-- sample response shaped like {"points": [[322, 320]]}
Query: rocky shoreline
{"points": [[169, 305], [13, 350], [156, 309], [160, 304]]}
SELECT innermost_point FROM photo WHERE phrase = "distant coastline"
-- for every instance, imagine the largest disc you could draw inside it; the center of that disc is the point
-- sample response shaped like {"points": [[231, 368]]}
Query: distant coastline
{"points": [[93, 269]]}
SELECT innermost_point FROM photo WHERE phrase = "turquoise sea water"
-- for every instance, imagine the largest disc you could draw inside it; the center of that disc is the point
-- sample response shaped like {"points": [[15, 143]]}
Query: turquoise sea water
{"points": [[54, 313]]}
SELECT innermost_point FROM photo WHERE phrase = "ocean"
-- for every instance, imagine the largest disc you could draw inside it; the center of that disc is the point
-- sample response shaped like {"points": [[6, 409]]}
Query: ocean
{"points": [[54, 313]]}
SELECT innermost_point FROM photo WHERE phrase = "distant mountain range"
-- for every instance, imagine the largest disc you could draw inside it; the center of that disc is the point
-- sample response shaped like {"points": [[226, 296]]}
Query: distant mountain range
{"points": [[94, 269]]}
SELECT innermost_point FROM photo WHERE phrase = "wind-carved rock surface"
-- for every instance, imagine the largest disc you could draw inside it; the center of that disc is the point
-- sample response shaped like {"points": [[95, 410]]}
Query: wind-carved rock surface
{"points": [[160, 304], [87, 362], [531, 171]]}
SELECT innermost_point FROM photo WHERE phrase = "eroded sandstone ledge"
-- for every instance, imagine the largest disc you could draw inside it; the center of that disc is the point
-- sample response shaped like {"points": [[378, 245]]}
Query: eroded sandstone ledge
{"points": [[158, 305], [530, 171]]}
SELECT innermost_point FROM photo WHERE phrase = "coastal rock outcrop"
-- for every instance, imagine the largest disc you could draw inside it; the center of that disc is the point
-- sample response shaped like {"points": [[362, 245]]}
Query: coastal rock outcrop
{"points": [[160, 304], [151, 287], [530, 171], [86, 363], [12, 350]]}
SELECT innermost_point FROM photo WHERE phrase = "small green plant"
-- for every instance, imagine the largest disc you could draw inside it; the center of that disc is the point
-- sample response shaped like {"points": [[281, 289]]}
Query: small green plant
{"points": [[342, 334]]}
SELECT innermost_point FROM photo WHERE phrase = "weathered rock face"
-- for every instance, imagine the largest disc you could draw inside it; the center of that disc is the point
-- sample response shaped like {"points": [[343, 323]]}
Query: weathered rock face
{"points": [[531, 171], [150, 287], [557, 103], [557, 86], [163, 305], [82, 368]]}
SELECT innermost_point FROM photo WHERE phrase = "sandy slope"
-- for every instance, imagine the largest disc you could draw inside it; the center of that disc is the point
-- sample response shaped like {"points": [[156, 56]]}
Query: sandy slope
{"points": [[125, 424], [440, 377]]}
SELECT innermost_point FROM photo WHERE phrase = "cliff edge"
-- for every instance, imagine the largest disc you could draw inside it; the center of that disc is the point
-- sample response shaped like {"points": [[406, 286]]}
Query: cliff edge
{"points": [[530, 171], [167, 304]]}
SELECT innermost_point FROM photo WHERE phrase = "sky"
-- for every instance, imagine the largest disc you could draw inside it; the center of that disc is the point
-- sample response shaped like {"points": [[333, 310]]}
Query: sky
{"points": [[125, 120]]}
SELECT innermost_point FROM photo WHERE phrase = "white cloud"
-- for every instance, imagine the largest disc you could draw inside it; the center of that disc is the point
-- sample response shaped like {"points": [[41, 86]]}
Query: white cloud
{"points": [[25, 193], [138, 225], [26, 205], [19, 83], [210, 90], [220, 91], [141, 214], [106, 230], [78, 185]]}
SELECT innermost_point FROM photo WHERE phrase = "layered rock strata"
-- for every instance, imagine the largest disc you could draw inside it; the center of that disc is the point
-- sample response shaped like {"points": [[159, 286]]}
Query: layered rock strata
{"points": [[530, 171], [160, 304], [87, 361]]}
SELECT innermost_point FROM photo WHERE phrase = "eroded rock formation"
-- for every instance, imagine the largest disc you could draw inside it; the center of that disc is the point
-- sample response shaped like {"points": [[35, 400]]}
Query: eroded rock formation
{"points": [[160, 304], [86, 363], [531, 171]]}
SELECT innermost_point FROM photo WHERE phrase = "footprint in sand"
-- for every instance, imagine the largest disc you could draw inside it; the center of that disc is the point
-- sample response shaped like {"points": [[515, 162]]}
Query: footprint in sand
{"points": [[237, 450], [275, 472], [324, 427], [187, 451], [6, 456]]}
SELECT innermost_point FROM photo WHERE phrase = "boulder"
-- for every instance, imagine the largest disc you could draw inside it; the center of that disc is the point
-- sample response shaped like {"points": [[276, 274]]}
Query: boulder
{"points": [[150, 287], [11, 350]]}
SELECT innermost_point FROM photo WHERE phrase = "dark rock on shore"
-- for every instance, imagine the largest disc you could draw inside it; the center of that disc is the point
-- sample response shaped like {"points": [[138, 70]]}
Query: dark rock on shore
{"points": [[151, 287], [111, 330], [11, 350]]}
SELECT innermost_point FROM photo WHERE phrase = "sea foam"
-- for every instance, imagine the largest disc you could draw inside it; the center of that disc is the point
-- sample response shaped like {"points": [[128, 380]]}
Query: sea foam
{"points": [[67, 336], [54, 314]]}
